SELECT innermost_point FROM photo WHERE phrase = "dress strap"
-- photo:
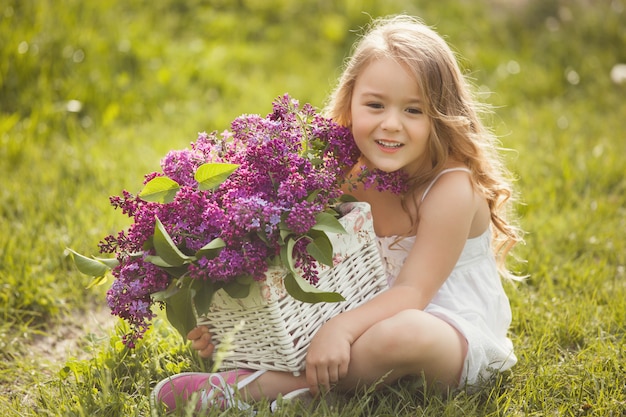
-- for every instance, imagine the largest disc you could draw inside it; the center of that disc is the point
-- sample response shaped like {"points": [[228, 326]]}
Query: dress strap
{"points": [[445, 171]]}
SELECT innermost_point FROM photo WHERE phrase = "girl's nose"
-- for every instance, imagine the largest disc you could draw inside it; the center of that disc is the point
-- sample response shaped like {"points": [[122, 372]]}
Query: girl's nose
{"points": [[391, 122]]}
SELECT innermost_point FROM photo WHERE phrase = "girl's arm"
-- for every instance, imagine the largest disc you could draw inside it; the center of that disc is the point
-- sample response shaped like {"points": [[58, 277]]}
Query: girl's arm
{"points": [[446, 217]]}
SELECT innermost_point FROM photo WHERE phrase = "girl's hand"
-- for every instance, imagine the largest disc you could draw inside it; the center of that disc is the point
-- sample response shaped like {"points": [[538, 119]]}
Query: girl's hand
{"points": [[327, 358], [201, 341]]}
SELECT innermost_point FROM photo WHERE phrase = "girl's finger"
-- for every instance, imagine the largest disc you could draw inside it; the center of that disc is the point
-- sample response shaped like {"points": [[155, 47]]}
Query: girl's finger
{"points": [[311, 379], [207, 352], [202, 342], [333, 375], [197, 332], [323, 378]]}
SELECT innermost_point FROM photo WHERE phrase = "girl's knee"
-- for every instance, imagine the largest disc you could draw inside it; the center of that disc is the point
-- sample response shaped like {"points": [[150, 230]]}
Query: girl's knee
{"points": [[410, 343], [407, 331], [413, 336]]}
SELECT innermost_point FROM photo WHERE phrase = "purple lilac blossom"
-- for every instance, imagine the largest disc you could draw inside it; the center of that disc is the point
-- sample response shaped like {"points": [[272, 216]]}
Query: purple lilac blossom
{"points": [[129, 295], [181, 165], [291, 166]]}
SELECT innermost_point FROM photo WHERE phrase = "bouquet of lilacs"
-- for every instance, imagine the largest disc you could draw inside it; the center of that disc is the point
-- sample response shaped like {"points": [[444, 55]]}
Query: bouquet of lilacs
{"points": [[259, 194]]}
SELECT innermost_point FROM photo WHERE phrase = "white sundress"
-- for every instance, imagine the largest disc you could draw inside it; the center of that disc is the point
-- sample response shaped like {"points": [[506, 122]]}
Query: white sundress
{"points": [[472, 300]]}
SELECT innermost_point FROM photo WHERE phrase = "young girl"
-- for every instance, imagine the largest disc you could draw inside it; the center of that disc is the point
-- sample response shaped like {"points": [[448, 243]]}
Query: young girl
{"points": [[445, 314]]}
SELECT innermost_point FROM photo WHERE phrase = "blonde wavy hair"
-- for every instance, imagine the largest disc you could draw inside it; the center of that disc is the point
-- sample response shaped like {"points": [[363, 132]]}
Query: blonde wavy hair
{"points": [[456, 132]]}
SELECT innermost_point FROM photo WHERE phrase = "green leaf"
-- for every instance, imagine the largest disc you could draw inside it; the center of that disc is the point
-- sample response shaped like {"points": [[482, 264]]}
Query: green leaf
{"points": [[302, 290], [165, 247], [244, 279], [321, 248], [204, 295], [97, 281], [177, 271], [263, 236], [179, 311], [311, 197], [211, 175], [316, 161], [347, 198], [157, 260], [284, 232], [211, 249], [298, 287], [237, 290], [92, 266], [163, 295], [148, 244], [328, 223], [110, 262], [286, 253], [159, 190]]}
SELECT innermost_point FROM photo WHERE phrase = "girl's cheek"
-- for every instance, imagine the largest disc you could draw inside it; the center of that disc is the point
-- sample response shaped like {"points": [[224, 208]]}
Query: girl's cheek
{"points": [[358, 131], [358, 139]]}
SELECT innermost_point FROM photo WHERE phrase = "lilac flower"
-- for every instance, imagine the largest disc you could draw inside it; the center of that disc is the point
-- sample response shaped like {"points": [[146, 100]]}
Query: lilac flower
{"points": [[181, 165], [290, 168], [301, 217], [397, 181], [129, 295]]}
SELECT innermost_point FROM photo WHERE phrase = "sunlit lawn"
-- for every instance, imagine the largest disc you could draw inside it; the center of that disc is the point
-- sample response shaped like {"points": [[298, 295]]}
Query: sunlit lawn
{"points": [[92, 95]]}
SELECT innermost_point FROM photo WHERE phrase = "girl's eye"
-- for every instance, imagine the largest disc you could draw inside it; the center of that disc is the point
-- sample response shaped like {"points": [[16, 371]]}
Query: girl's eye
{"points": [[374, 105], [414, 110]]}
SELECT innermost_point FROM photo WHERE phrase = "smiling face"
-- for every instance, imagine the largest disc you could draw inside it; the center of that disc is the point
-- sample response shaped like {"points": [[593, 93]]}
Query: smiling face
{"points": [[388, 122]]}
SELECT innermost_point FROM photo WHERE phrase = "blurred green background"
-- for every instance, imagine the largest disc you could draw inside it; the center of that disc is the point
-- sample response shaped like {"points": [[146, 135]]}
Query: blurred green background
{"points": [[93, 94]]}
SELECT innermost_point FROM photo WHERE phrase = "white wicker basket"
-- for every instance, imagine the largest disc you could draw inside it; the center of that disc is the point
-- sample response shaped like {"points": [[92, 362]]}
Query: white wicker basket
{"points": [[273, 329]]}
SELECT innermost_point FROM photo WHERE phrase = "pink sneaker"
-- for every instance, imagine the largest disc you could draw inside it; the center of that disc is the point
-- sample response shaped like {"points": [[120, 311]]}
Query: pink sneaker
{"points": [[213, 390]]}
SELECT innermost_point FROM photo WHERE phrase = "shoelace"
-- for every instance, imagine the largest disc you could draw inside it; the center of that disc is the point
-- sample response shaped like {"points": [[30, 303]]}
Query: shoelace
{"points": [[220, 391]]}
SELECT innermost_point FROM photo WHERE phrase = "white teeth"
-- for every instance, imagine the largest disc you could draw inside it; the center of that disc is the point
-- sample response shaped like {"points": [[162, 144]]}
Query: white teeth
{"points": [[389, 144]]}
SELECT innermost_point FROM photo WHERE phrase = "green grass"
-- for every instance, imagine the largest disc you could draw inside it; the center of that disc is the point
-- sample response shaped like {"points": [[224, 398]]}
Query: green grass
{"points": [[149, 75]]}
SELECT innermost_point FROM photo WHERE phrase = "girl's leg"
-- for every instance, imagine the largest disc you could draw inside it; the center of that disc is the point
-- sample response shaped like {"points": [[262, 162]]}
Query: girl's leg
{"points": [[272, 383], [412, 342]]}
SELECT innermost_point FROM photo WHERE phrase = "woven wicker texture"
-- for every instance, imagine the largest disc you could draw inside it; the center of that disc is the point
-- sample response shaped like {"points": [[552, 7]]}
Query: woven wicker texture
{"points": [[273, 329]]}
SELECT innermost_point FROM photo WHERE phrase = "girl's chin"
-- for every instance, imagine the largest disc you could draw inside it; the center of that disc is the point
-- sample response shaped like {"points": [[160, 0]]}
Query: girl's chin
{"points": [[390, 170], [385, 167]]}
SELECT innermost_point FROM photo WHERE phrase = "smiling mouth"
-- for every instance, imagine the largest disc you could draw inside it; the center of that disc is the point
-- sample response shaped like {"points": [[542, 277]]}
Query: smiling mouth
{"points": [[389, 145]]}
